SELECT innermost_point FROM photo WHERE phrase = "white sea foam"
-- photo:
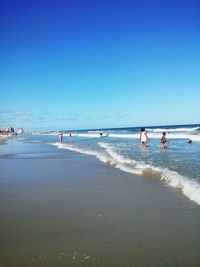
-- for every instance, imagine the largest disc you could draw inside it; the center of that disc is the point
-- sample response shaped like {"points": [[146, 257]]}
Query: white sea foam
{"points": [[110, 157], [160, 130], [193, 137], [82, 151], [152, 134], [92, 135], [70, 134], [188, 187], [96, 131], [119, 161]]}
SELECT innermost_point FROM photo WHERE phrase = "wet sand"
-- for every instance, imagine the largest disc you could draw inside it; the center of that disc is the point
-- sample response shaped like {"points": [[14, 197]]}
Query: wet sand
{"points": [[3, 138], [68, 209]]}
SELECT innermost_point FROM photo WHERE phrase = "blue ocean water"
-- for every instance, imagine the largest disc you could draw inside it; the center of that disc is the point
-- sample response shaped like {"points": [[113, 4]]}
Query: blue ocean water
{"points": [[177, 166]]}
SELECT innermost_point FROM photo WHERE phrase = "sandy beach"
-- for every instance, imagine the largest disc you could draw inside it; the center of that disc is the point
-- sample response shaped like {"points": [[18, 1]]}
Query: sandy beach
{"points": [[4, 137], [61, 208]]}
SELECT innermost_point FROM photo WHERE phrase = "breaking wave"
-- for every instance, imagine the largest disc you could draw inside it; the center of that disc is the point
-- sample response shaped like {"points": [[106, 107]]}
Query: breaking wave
{"points": [[109, 155], [160, 130]]}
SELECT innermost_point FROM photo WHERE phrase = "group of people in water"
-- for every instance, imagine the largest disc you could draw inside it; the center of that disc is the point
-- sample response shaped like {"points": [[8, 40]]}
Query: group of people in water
{"points": [[143, 138]]}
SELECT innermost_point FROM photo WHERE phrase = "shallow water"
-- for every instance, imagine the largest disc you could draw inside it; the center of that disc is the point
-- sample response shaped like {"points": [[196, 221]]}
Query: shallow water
{"points": [[178, 166]]}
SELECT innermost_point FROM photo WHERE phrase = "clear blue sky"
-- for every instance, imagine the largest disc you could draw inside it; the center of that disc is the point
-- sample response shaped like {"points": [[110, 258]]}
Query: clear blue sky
{"points": [[99, 63]]}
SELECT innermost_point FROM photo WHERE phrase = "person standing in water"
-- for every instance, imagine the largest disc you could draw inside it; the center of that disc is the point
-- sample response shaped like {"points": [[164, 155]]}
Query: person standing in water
{"points": [[143, 137], [61, 136], [164, 140]]}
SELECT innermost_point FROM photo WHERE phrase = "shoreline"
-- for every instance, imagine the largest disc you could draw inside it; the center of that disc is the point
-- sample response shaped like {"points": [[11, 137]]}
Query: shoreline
{"points": [[4, 137], [73, 210], [170, 178]]}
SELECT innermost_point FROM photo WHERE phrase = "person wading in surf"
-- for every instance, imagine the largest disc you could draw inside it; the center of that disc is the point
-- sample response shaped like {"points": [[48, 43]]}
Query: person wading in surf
{"points": [[164, 140], [143, 137], [61, 136]]}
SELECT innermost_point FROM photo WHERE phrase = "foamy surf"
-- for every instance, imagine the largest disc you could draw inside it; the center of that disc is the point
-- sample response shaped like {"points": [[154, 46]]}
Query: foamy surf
{"points": [[195, 138], [71, 147], [186, 136], [189, 188], [192, 133], [160, 130]]}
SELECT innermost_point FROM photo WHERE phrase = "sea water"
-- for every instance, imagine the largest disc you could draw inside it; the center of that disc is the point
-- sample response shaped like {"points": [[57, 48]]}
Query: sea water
{"points": [[177, 166]]}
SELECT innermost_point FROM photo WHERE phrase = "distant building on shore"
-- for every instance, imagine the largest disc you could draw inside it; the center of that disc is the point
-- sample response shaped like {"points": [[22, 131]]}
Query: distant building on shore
{"points": [[7, 130], [20, 131]]}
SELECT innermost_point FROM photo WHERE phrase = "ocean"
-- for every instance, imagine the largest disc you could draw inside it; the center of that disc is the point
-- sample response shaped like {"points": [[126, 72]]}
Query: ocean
{"points": [[178, 166]]}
